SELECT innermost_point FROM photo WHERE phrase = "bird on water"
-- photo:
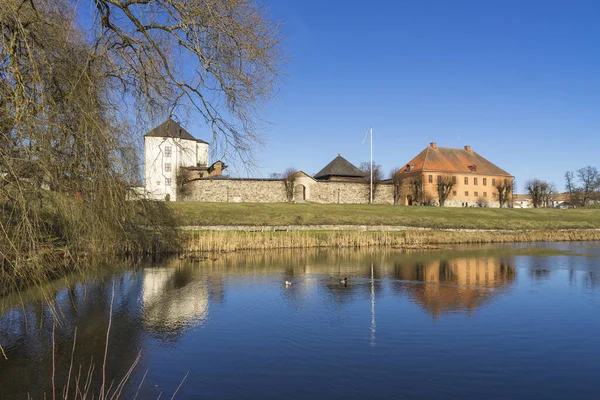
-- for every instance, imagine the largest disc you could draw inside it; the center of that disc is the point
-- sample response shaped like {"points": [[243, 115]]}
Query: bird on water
{"points": [[344, 281], [288, 283]]}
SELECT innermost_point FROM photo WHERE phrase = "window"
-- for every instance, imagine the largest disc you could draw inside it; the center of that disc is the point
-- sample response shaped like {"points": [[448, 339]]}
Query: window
{"points": [[168, 182], [484, 181], [167, 151], [476, 194], [168, 167], [494, 194], [454, 193], [466, 193], [484, 194], [466, 180], [493, 182], [439, 179], [407, 167], [454, 180], [474, 181], [430, 178], [157, 183]]}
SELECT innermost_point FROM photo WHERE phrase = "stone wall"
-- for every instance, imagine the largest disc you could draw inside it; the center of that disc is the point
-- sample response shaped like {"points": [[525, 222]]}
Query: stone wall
{"points": [[237, 191], [349, 193], [273, 191]]}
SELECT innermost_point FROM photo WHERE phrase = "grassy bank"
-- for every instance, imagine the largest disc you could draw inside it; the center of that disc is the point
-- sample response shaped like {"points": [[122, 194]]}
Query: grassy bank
{"points": [[195, 213], [226, 241]]}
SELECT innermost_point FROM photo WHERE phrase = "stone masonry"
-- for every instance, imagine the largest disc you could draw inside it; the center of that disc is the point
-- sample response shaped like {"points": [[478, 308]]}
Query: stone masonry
{"points": [[273, 191]]}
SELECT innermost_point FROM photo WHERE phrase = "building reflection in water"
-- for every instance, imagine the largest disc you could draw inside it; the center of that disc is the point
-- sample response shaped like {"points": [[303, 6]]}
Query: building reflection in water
{"points": [[168, 299], [454, 285], [172, 300]]}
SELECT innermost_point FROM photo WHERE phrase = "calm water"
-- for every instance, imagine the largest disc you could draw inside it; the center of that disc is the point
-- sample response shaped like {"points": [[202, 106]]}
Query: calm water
{"points": [[469, 323]]}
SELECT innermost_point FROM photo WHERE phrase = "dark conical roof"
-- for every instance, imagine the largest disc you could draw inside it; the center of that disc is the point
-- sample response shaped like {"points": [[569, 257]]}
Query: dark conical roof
{"points": [[172, 129], [339, 167]]}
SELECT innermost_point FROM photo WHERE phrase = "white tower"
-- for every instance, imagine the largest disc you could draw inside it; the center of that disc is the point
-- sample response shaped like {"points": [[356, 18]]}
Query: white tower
{"points": [[166, 148]]}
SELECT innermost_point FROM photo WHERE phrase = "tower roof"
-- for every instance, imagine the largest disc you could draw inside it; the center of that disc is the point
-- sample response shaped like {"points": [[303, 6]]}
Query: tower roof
{"points": [[172, 129], [339, 166]]}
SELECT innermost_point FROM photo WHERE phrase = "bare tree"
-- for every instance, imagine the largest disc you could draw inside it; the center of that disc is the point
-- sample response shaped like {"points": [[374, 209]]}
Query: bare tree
{"points": [[571, 188], [589, 178], [416, 186], [289, 179], [534, 188], [541, 192], [445, 183], [548, 192], [397, 181], [365, 167], [504, 188]]}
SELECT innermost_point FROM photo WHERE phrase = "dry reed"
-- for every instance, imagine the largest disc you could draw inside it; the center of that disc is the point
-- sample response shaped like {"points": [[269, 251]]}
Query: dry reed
{"points": [[227, 241]]}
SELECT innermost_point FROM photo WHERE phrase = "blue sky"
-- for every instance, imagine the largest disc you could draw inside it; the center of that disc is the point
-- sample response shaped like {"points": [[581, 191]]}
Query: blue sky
{"points": [[519, 81]]}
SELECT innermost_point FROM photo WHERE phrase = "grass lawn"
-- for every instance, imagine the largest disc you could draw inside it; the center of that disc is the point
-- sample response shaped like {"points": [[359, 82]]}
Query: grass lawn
{"points": [[197, 213]]}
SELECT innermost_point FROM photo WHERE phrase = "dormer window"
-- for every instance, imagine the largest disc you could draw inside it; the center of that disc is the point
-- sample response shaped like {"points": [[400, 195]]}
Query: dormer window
{"points": [[473, 168], [407, 167]]}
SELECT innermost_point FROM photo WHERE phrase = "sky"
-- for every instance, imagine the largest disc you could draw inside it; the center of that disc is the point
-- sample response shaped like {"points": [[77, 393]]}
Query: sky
{"points": [[518, 81]]}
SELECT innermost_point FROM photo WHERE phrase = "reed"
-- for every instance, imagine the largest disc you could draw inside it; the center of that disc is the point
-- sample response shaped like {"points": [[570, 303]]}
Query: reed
{"points": [[227, 241]]}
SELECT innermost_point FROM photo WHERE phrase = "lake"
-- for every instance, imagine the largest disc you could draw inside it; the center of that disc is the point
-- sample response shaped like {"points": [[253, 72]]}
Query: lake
{"points": [[493, 322]]}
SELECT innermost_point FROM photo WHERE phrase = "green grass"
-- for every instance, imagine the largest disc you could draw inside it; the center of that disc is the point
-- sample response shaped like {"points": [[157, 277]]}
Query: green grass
{"points": [[268, 214]]}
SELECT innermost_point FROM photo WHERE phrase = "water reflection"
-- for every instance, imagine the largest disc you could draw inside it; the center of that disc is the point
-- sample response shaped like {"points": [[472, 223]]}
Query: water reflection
{"points": [[172, 300], [454, 285], [162, 306]]}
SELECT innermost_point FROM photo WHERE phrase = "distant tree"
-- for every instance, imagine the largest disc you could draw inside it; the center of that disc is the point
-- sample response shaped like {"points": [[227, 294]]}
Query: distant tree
{"points": [[541, 192], [548, 192], [504, 188], [416, 187], [275, 175], [533, 188], [397, 181], [365, 167], [583, 186], [589, 179], [483, 202], [289, 177], [445, 183], [571, 187]]}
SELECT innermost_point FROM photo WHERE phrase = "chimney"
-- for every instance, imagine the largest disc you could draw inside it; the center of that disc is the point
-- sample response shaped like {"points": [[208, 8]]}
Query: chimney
{"points": [[433, 145], [468, 148]]}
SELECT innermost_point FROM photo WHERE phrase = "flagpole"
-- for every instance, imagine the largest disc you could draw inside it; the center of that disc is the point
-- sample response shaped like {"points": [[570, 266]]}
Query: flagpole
{"points": [[371, 131]]}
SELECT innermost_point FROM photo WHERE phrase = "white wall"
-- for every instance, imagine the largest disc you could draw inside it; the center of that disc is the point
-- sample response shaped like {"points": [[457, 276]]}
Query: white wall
{"points": [[183, 153]]}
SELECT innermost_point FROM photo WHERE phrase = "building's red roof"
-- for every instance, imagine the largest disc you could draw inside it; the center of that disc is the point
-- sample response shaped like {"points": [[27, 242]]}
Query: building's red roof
{"points": [[443, 159]]}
